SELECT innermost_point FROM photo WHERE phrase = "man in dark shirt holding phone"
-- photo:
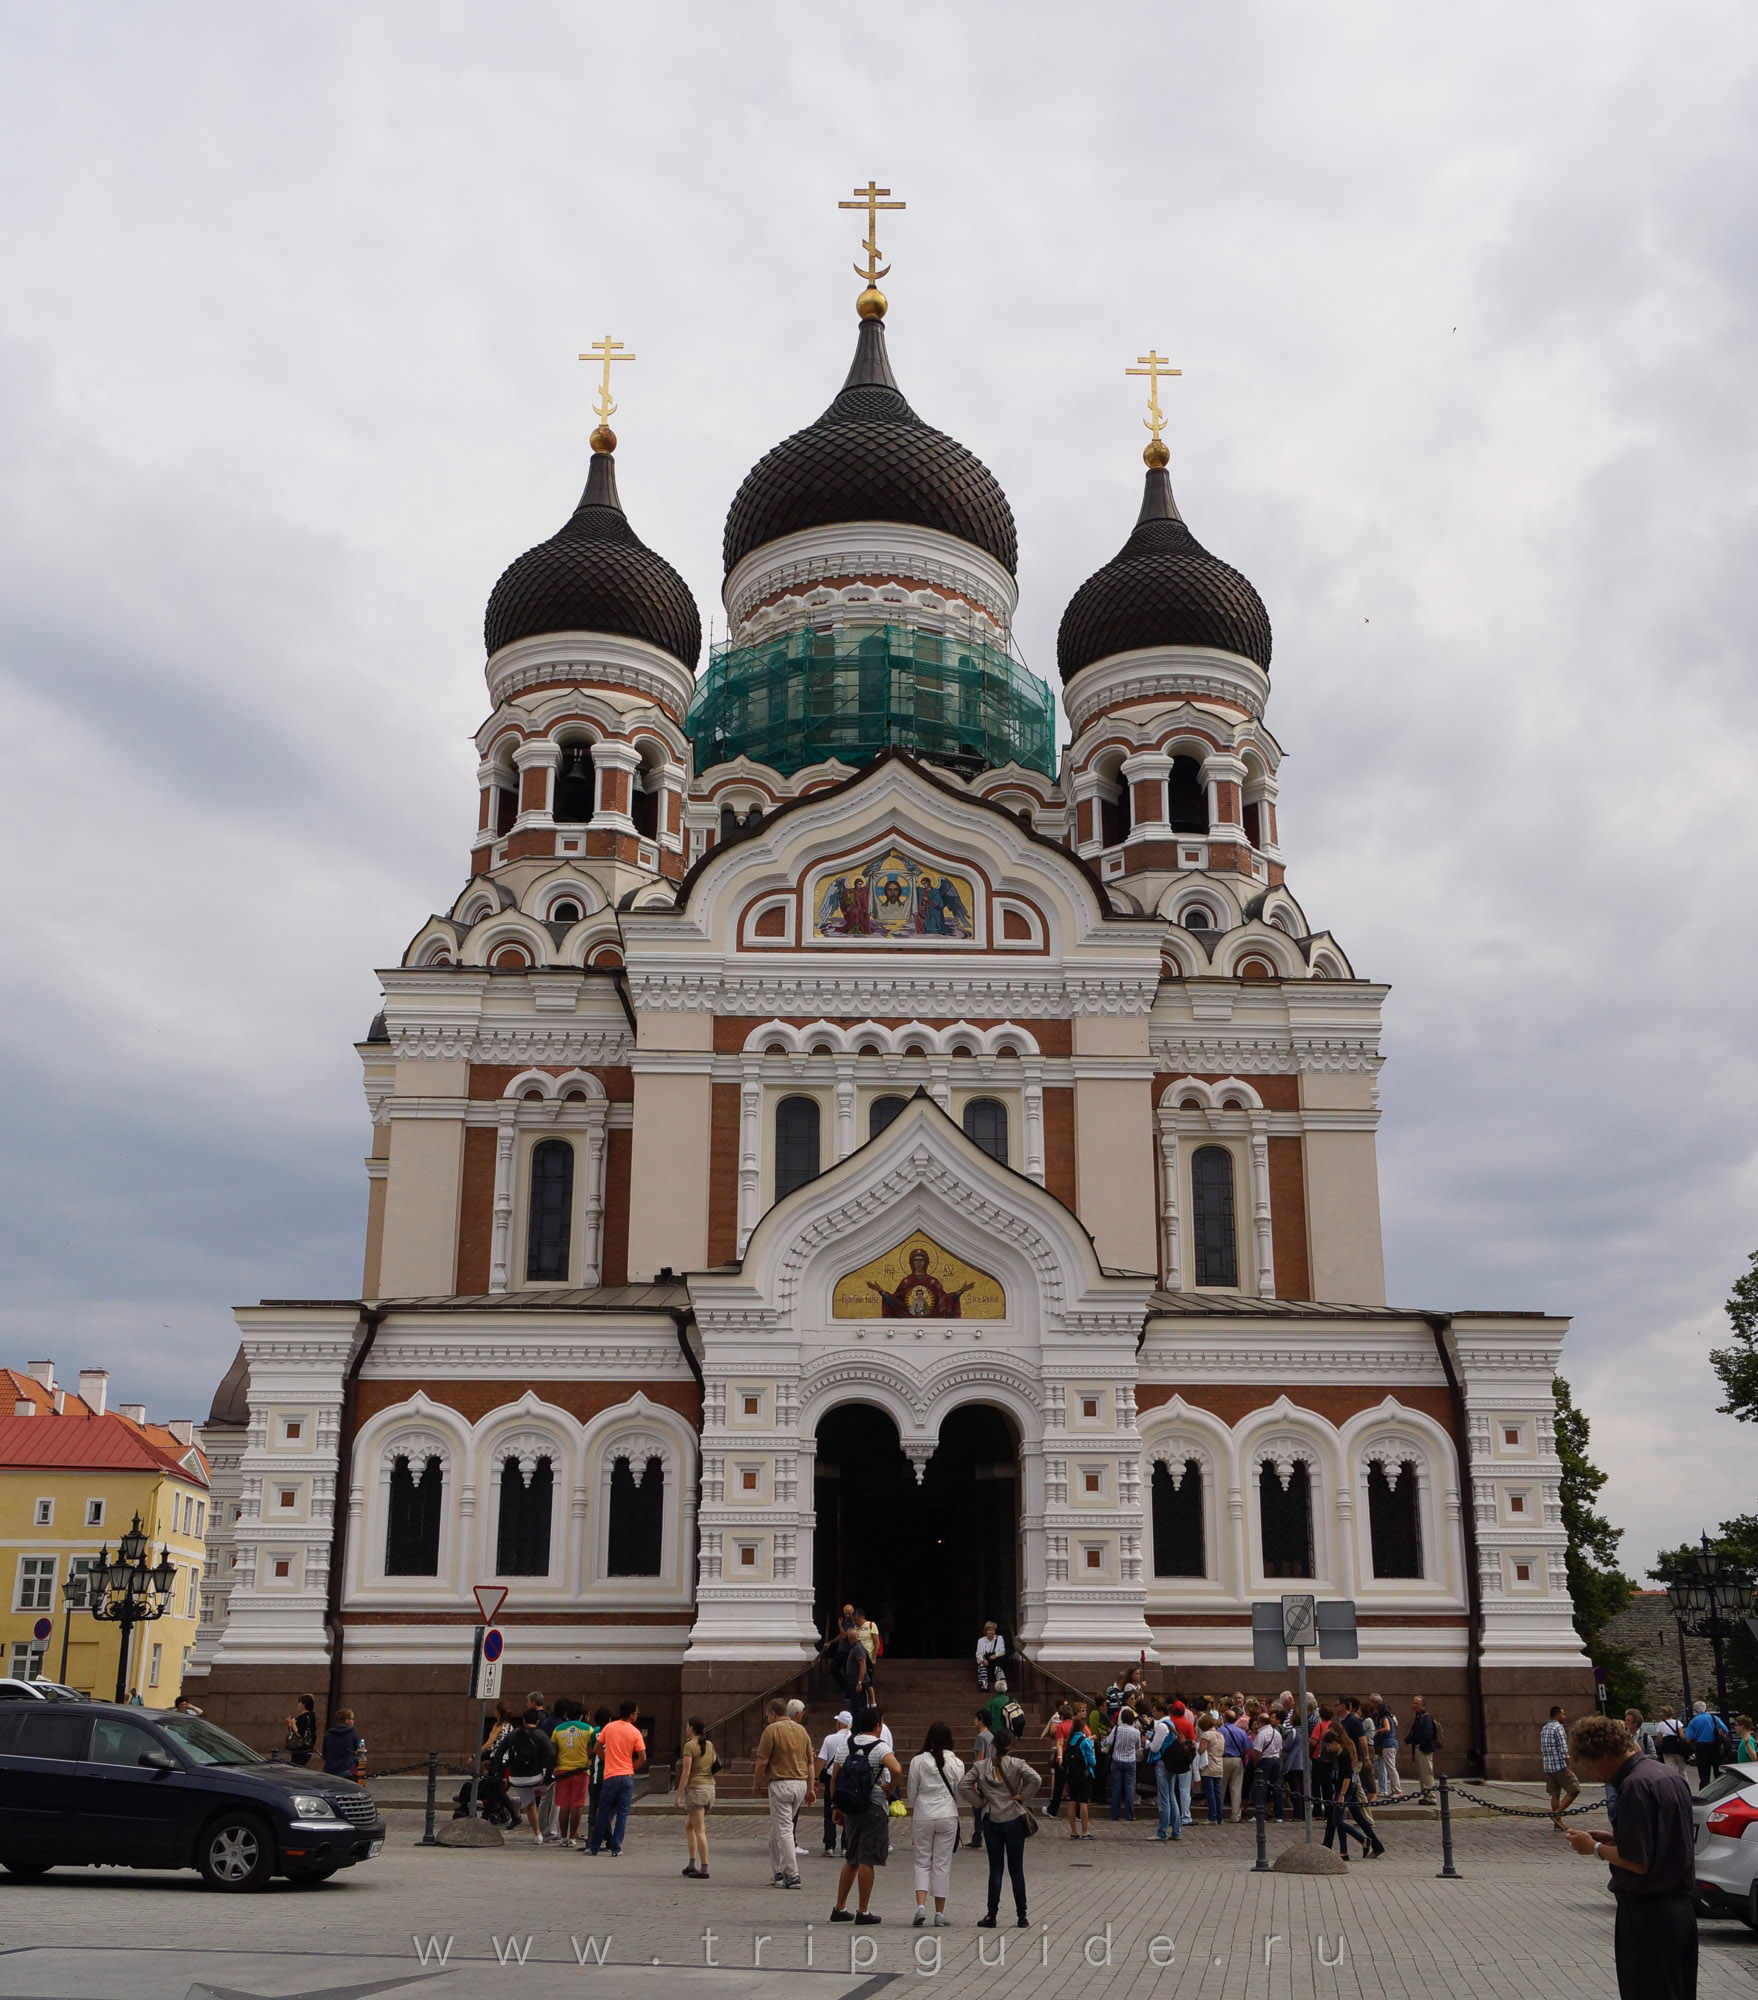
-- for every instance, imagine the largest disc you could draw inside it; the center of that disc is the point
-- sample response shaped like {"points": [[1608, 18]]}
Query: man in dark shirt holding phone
{"points": [[1650, 1860]]}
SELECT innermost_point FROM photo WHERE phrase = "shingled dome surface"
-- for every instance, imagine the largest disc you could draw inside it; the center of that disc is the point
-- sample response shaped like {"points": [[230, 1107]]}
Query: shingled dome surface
{"points": [[1162, 588], [871, 458], [596, 575]]}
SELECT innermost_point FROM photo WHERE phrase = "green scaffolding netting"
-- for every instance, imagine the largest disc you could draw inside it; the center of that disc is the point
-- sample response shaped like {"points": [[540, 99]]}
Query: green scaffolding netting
{"points": [[809, 696]]}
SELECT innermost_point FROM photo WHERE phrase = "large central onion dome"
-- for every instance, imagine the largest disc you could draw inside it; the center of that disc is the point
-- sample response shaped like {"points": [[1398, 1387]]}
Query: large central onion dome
{"points": [[871, 458], [596, 575], [1162, 588]]}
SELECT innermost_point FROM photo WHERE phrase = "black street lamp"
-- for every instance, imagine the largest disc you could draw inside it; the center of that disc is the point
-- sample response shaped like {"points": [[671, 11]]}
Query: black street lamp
{"points": [[127, 1592], [1709, 1604]]}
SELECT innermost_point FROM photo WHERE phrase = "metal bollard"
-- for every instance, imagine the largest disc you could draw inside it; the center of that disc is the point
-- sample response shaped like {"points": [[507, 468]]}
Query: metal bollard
{"points": [[1448, 1872], [427, 1839], [1261, 1866]]}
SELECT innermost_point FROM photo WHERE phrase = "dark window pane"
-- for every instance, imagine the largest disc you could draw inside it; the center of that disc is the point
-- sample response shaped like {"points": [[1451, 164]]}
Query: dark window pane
{"points": [[637, 1518], [1286, 1518], [881, 1112], [574, 786], [644, 811], [1211, 1216], [985, 1124], [552, 1209], [523, 1548], [1178, 1522], [1114, 817], [45, 1731], [118, 1742], [412, 1534], [796, 1144], [1187, 797], [1395, 1521]]}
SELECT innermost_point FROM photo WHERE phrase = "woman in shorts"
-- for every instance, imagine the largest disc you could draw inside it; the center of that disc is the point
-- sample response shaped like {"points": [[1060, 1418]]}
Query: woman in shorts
{"points": [[696, 1795]]}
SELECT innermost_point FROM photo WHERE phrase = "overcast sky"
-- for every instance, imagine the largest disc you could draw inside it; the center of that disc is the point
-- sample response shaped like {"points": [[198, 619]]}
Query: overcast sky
{"points": [[1464, 300]]}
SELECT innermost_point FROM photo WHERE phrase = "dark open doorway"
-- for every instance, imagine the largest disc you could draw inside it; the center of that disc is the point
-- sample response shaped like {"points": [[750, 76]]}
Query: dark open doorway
{"points": [[928, 1563]]}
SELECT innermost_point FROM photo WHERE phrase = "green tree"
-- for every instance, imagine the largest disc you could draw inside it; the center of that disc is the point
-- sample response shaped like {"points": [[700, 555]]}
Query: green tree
{"points": [[1737, 1540], [1597, 1586], [1737, 1364]]}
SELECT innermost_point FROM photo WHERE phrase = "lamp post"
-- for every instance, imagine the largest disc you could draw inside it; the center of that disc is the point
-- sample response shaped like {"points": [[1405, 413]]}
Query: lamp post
{"points": [[129, 1593], [1708, 1604]]}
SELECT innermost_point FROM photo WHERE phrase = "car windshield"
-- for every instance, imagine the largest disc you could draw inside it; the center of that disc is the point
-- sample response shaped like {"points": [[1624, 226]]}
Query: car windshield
{"points": [[204, 1743], [54, 1691]]}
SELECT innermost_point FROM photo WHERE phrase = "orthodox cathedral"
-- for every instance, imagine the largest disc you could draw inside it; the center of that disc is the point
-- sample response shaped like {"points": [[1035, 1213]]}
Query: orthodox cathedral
{"points": [[834, 1147]]}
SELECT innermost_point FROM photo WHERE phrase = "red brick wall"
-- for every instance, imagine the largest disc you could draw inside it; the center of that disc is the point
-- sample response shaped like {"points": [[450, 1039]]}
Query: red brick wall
{"points": [[723, 1174], [1059, 1146], [1288, 1216], [476, 1209], [618, 1154]]}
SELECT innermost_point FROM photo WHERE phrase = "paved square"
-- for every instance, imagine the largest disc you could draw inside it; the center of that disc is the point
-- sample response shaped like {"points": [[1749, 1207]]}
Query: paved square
{"points": [[1527, 1920]]}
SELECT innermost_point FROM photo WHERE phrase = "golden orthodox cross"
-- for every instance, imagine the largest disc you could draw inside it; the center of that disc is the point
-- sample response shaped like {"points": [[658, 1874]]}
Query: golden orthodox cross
{"points": [[607, 351], [1153, 366], [869, 198]]}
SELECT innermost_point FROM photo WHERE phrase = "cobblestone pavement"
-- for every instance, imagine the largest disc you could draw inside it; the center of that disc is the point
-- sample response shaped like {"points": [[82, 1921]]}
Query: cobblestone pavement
{"points": [[1528, 1919]]}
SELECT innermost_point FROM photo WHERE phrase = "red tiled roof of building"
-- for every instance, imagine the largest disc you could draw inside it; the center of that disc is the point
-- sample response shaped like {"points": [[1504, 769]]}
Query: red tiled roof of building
{"points": [[79, 1440]]}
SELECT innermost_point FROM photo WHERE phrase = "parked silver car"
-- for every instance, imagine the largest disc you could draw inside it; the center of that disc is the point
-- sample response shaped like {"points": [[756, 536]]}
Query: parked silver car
{"points": [[39, 1691], [1725, 1813]]}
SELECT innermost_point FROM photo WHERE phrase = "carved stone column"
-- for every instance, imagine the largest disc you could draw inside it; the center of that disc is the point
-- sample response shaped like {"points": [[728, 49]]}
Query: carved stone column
{"points": [[1264, 1257], [506, 1137]]}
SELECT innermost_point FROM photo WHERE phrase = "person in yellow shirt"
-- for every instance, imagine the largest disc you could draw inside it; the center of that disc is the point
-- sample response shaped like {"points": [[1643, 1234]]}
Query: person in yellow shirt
{"points": [[572, 1737]]}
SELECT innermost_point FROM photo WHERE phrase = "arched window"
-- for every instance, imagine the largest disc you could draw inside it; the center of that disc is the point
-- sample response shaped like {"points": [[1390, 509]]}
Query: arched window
{"points": [[796, 1143], [1187, 797], [1114, 813], [1285, 1516], [1211, 1216], [552, 1210], [413, 1530], [637, 1518], [575, 786], [1394, 1520], [985, 1125], [565, 913], [644, 806], [522, 1548], [881, 1112], [1179, 1549], [1197, 918]]}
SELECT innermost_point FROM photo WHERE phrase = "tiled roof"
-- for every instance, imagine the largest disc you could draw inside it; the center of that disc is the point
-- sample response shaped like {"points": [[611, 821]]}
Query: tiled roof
{"points": [[81, 1441]]}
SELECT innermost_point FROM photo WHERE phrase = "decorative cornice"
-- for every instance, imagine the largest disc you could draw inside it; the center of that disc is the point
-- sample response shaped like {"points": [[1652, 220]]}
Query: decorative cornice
{"points": [[892, 989], [579, 1042], [1166, 673], [870, 548], [1288, 1053], [590, 659]]}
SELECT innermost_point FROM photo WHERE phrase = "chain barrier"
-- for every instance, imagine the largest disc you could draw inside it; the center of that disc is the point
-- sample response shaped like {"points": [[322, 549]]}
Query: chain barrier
{"points": [[1526, 1812]]}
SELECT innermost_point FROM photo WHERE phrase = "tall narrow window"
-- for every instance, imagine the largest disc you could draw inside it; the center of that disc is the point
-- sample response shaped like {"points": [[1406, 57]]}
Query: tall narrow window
{"points": [[1114, 816], [552, 1210], [644, 809], [1211, 1215], [1394, 1519], [574, 786], [1187, 797], [522, 1547], [1285, 1516], [413, 1530], [1178, 1522], [985, 1125], [637, 1518], [796, 1143], [881, 1112]]}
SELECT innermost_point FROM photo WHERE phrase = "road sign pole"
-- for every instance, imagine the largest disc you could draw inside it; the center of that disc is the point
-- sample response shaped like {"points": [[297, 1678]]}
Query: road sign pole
{"points": [[481, 1714], [1305, 1748]]}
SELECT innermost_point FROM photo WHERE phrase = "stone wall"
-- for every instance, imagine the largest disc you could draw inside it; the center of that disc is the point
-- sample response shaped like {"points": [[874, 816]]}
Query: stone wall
{"points": [[1648, 1630]]}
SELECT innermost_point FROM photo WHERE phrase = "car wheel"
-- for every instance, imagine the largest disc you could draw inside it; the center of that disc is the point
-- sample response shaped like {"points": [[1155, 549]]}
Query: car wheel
{"points": [[236, 1853], [1750, 1912], [28, 1870]]}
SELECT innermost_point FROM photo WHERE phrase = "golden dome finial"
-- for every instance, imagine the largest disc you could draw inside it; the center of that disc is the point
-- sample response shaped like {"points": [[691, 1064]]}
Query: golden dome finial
{"points": [[1153, 365], [604, 439], [871, 303]]}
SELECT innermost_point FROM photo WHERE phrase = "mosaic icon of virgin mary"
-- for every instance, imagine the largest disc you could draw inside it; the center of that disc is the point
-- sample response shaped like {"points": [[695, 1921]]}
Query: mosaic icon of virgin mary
{"points": [[919, 1294]]}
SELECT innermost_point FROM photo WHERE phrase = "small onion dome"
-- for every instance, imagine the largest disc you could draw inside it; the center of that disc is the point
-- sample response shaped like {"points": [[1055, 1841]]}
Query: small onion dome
{"points": [[596, 575], [871, 458], [1162, 588]]}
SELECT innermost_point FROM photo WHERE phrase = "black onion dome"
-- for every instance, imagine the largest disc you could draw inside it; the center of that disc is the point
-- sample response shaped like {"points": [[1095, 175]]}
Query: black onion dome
{"points": [[871, 458], [1162, 588], [596, 575]]}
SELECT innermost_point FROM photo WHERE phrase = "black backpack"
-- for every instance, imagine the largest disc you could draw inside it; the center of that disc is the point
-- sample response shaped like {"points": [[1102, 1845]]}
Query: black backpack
{"points": [[1178, 1753], [1014, 1717], [854, 1778], [524, 1753]]}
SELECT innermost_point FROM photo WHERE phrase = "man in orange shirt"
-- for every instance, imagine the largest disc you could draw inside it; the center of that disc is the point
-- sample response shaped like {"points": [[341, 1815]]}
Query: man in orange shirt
{"points": [[624, 1751]]}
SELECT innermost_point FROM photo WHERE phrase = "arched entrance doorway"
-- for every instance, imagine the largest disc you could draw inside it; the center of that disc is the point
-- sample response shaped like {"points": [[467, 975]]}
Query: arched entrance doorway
{"points": [[930, 1562]]}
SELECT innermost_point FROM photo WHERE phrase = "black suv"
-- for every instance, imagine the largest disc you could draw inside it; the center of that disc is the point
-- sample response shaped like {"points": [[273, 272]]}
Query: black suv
{"points": [[90, 1782]]}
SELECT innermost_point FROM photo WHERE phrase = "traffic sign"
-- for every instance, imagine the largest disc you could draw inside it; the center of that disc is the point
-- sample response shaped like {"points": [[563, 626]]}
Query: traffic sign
{"points": [[489, 1599], [1299, 1620], [485, 1666], [492, 1643], [44, 1628]]}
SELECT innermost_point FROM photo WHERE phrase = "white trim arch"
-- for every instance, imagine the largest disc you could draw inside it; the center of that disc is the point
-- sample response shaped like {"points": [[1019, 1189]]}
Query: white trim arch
{"points": [[536, 1106], [1393, 1432], [416, 1426], [507, 927], [1229, 1112], [1175, 1442], [650, 1430], [1259, 940], [1278, 1436]]}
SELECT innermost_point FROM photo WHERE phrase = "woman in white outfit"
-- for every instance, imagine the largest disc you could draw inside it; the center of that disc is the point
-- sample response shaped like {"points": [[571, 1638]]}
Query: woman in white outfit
{"points": [[933, 1785]]}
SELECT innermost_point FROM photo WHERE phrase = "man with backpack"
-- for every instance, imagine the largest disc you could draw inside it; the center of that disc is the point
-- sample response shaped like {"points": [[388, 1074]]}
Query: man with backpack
{"points": [[1424, 1739], [524, 1758], [861, 1801]]}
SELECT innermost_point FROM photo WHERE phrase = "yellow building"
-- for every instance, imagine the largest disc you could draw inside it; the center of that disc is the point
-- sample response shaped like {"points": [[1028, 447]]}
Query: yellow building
{"points": [[73, 1477]]}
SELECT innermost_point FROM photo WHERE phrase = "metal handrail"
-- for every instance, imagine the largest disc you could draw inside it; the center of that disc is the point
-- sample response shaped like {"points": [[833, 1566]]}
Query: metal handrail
{"points": [[798, 1683]]}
